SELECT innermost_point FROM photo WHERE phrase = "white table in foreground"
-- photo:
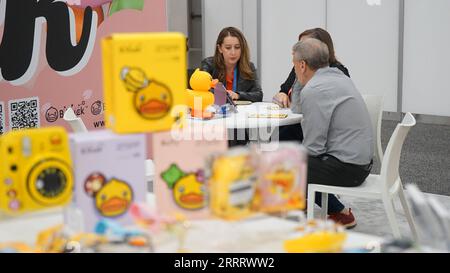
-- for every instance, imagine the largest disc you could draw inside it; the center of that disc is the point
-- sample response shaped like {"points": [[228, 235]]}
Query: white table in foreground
{"points": [[261, 234], [257, 234], [260, 128]]}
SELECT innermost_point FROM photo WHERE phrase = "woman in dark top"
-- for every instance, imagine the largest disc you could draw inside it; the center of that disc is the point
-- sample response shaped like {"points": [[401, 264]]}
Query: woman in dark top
{"points": [[231, 65], [283, 97]]}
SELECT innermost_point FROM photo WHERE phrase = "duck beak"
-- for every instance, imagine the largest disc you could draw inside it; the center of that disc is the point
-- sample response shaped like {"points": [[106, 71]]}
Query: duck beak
{"points": [[214, 82]]}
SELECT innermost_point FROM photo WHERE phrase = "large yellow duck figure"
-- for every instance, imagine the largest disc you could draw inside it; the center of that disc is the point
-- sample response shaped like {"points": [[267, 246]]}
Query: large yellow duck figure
{"points": [[199, 98]]}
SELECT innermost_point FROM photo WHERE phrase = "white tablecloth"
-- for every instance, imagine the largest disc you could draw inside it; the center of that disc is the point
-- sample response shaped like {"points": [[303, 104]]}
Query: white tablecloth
{"points": [[257, 234], [241, 119]]}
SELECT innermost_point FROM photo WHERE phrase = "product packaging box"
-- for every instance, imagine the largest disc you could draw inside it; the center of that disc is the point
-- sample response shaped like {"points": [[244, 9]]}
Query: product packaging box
{"points": [[109, 176], [282, 177], [180, 183], [145, 77], [232, 183]]}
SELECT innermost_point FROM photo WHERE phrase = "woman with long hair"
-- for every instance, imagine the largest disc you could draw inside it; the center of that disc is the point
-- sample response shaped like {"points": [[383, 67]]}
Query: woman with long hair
{"points": [[231, 65]]}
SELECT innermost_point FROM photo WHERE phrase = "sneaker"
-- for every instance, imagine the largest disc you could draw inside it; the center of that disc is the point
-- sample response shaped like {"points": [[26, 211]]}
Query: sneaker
{"points": [[346, 220]]}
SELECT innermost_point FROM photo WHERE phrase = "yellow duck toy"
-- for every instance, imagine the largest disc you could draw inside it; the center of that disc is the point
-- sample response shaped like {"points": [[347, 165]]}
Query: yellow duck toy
{"points": [[200, 97]]}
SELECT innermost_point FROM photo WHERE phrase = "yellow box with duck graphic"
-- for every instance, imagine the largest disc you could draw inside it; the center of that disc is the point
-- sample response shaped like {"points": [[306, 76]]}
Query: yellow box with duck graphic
{"points": [[35, 170], [144, 76]]}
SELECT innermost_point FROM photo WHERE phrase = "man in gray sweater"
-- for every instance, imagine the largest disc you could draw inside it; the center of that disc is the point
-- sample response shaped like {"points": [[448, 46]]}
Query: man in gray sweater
{"points": [[336, 125]]}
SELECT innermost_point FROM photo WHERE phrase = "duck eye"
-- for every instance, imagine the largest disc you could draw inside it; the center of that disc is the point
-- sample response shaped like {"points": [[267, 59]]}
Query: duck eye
{"points": [[163, 96], [103, 197], [181, 189], [202, 188], [142, 98], [125, 193]]}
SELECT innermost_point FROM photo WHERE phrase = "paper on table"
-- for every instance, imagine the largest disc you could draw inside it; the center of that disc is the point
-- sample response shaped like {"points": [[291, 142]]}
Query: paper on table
{"points": [[242, 102], [270, 115], [273, 107]]}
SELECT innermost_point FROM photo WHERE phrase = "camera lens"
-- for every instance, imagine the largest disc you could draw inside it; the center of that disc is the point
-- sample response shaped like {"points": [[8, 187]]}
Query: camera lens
{"points": [[51, 182]]}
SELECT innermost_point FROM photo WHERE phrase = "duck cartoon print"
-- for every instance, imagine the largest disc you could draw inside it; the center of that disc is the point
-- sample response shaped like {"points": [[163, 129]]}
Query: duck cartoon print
{"points": [[188, 189], [152, 100], [282, 182], [112, 198]]}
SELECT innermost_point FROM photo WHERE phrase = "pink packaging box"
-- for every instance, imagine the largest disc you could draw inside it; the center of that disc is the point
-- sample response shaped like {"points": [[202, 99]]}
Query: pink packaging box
{"points": [[109, 171], [180, 184]]}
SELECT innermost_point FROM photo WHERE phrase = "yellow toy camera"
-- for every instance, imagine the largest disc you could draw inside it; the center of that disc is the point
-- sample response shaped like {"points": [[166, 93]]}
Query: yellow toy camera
{"points": [[35, 170]]}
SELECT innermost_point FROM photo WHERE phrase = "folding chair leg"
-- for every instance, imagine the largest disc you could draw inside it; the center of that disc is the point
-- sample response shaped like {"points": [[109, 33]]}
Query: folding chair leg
{"points": [[387, 202], [401, 195], [311, 202], [324, 206], [393, 205]]}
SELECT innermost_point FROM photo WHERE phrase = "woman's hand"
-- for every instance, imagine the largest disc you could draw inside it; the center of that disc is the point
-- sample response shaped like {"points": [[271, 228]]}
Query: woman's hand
{"points": [[282, 100], [233, 95]]}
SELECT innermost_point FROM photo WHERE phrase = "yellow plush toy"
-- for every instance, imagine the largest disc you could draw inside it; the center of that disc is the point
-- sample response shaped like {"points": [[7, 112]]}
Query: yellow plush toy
{"points": [[199, 98]]}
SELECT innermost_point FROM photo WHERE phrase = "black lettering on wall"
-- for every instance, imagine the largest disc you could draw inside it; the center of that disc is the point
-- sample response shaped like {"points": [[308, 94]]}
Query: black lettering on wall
{"points": [[21, 38]]}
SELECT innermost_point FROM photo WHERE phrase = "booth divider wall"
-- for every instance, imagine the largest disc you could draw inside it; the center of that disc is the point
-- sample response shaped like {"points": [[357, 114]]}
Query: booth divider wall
{"points": [[427, 57], [409, 71], [366, 39], [281, 23]]}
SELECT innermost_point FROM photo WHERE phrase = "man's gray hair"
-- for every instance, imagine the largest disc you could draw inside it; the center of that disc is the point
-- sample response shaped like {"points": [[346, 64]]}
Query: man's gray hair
{"points": [[313, 51]]}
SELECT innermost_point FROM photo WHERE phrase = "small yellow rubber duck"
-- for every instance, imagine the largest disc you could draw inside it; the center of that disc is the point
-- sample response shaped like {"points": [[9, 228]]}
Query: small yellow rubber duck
{"points": [[199, 98]]}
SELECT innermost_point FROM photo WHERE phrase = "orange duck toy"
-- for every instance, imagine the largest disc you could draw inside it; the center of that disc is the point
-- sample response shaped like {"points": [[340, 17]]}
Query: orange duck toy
{"points": [[199, 98]]}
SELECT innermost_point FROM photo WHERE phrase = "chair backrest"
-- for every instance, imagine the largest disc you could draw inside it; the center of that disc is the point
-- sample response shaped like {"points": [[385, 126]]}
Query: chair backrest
{"points": [[374, 104], [390, 164], [75, 122]]}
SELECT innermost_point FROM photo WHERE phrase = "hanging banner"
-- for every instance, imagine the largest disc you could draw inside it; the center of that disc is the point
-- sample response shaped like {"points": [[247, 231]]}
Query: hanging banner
{"points": [[50, 56]]}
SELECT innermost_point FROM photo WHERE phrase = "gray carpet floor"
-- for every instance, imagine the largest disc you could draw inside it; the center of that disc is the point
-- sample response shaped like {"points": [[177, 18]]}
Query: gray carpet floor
{"points": [[425, 159], [372, 219]]}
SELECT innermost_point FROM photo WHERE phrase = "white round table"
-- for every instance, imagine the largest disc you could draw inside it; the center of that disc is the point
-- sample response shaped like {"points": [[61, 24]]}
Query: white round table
{"points": [[260, 129]]}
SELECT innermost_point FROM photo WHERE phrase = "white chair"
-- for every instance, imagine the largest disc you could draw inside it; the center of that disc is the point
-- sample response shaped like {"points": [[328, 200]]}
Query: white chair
{"points": [[384, 186], [75, 122], [374, 105]]}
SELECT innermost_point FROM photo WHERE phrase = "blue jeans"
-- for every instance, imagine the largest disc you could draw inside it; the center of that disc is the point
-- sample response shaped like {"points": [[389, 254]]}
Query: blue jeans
{"points": [[334, 205]]}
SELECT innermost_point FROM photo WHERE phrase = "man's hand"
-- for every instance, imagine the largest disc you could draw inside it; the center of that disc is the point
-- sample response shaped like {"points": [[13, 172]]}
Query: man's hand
{"points": [[282, 100], [233, 95]]}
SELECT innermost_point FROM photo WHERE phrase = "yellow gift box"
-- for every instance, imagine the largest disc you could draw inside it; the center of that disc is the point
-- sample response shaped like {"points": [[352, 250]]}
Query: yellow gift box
{"points": [[145, 78]]}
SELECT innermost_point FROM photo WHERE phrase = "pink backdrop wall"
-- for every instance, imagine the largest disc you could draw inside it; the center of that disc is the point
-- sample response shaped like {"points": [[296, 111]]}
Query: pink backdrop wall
{"points": [[84, 89]]}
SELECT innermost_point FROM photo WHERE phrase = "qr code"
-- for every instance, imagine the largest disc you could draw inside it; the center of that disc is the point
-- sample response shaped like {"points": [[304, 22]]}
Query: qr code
{"points": [[2, 118], [24, 113]]}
